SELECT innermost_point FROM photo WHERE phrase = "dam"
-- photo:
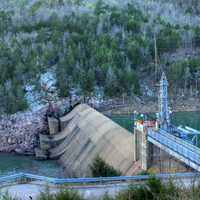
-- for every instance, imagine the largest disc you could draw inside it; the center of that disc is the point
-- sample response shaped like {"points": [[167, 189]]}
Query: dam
{"points": [[13, 163], [84, 133], [78, 137]]}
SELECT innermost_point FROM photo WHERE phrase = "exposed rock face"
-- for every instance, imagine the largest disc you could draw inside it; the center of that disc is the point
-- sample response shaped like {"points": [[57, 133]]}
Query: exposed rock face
{"points": [[20, 132]]}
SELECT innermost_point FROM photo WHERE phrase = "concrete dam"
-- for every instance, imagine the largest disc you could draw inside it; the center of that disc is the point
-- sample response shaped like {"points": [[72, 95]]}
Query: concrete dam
{"points": [[77, 138]]}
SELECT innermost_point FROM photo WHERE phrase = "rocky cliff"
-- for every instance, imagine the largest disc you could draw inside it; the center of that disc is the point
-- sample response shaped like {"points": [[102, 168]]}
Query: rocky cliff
{"points": [[19, 132]]}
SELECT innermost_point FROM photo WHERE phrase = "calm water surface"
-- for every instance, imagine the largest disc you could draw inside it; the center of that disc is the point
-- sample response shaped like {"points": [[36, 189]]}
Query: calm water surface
{"points": [[191, 119]]}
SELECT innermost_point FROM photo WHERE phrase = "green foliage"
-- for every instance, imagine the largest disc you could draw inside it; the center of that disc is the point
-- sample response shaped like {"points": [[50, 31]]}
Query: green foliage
{"points": [[5, 22], [6, 196], [107, 197], [69, 195], [184, 71], [12, 98], [99, 168], [168, 39], [60, 195], [110, 48], [100, 7], [152, 190], [197, 37], [36, 5], [144, 173]]}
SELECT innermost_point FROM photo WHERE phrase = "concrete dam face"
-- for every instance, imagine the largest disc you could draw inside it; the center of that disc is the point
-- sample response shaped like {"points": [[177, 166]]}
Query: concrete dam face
{"points": [[84, 134]]}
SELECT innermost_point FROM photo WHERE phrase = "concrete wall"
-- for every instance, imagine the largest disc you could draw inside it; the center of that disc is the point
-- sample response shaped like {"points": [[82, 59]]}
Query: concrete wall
{"points": [[86, 133], [94, 134], [152, 158], [160, 161]]}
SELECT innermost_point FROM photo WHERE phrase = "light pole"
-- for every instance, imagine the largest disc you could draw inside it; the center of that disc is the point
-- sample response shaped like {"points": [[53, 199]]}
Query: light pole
{"points": [[134, 119]]}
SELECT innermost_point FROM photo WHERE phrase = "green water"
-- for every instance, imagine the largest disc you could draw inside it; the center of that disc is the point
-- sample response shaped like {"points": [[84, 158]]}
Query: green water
{"points": [[11, 163], [191, 119]]}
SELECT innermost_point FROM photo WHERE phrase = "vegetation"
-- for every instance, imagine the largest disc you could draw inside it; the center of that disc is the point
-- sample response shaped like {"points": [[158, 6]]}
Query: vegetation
{"points": [[99, 168], [186, 73], [61, 195], [104, 51], [153, 189]]}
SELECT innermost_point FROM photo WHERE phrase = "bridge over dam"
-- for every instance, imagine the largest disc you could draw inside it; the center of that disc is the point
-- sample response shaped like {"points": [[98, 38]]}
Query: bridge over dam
{"points": [[164, 151], [78, 137]]}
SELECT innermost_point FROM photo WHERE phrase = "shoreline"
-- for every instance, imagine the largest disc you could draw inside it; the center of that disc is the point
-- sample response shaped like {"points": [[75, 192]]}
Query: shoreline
{"points": [[151, 106]]}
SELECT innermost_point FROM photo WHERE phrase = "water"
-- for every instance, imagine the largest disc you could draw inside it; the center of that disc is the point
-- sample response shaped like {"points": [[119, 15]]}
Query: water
{"points": [[191, 119], [11, 163]]}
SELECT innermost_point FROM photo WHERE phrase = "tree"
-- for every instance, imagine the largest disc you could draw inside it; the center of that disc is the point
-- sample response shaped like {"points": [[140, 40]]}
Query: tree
{"points": [[168, 39], [12, 97], [64, 81], [87, 79], [99, 168], [111, 83], [100, 7], [187, 76], [134, 53], [197, 37]]}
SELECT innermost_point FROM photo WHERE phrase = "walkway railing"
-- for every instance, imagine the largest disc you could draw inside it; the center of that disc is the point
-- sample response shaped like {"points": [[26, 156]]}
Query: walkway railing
{"points": [[31, 177], [178, 147]]}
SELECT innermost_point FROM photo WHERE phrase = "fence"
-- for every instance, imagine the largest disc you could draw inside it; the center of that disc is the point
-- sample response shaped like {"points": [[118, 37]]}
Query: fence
{"points": [[100, 180], [177, 145]]}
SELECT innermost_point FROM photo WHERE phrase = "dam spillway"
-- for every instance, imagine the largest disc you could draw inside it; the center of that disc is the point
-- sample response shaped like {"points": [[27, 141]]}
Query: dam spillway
{"points": [[78, 137]]}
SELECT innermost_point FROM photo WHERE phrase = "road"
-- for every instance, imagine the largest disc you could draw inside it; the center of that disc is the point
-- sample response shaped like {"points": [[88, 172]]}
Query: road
{"points": [[33, 189]]}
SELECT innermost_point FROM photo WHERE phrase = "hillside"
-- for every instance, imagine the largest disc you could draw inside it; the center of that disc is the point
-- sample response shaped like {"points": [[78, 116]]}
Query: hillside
{"points": [[52, 49]]}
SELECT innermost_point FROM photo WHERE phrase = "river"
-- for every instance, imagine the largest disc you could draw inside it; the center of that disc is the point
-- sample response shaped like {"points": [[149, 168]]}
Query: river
{"points": [[10, 163]]}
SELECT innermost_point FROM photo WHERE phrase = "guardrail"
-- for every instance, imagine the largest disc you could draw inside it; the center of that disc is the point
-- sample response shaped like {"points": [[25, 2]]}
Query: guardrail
{"points": [[25, 176], [188, 151]]}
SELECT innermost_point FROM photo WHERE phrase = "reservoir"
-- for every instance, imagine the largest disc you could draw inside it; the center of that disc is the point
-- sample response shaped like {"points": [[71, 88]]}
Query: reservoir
{"points": [[191, 119], [11, 163]]}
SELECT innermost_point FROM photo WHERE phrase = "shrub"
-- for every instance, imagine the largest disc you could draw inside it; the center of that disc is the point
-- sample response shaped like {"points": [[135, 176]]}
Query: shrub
{"points": [[153, 189], [100, 168], [61, 195], [107, 197], [6, 196], [67, 195]]}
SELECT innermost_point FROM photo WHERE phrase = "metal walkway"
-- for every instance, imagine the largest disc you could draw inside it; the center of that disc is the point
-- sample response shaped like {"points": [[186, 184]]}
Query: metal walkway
{"points": [[176, 147]]}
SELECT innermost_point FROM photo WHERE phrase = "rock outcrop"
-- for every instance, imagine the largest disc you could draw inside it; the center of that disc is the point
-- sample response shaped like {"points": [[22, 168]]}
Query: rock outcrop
{"points": [[20, 132]]}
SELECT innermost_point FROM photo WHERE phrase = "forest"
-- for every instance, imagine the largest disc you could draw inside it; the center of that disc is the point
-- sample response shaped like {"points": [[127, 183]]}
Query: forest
{"points": [[106, 50]]}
